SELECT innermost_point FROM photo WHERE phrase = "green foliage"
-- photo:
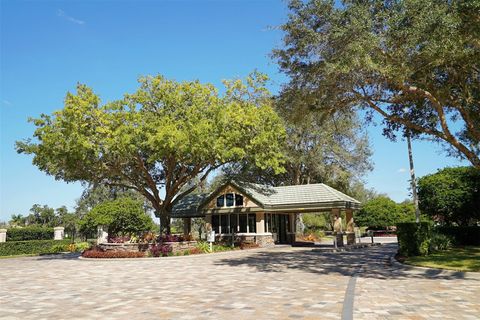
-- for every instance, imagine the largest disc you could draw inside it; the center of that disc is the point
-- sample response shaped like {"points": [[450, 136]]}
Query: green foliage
{"points": [[439, 242], [332, 149], [382, 212], [30, 233], [122, 216], [463, 235], [11, 248], [451, 195], [414, 238], [203, 246], [414, 62], [166, 134], [315, 221]]}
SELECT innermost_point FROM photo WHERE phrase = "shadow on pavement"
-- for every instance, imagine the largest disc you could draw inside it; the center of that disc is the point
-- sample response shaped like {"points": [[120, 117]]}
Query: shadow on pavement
{"points": [[373, 262]]}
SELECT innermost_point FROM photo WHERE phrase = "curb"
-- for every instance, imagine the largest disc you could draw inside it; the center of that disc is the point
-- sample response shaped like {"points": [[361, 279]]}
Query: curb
{"points": [[348, 248], [470, 274]]}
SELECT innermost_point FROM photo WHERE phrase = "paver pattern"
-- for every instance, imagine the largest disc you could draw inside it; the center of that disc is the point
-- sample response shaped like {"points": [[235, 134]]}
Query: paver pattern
{"points": [[280, 283]]}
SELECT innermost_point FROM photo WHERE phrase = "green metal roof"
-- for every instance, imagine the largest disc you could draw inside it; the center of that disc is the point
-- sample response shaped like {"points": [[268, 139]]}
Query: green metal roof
{"points": [[317, 195]]}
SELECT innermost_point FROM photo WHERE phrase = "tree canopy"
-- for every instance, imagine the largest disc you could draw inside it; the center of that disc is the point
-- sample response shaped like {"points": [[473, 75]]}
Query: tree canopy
{"points": [[452, 195], [382, 212], [122, 216], [164, 135], [414, 62]]}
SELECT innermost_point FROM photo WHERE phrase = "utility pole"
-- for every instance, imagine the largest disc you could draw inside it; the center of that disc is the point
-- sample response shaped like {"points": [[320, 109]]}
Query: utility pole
{"points": [[413, 181]]}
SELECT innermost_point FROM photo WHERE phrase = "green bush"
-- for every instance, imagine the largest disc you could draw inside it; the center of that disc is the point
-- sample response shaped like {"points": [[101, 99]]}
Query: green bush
{"points": [[439, 242], [462, 236], [30, 233], [414, 239], [12, 248]]}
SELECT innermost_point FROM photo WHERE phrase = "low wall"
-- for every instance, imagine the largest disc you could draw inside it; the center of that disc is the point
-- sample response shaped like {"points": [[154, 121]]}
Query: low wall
{"points": [[143, 247], [263, 240]]}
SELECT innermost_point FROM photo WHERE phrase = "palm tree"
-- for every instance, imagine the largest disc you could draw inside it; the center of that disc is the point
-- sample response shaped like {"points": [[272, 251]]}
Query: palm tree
{"points": [[413, 181]]}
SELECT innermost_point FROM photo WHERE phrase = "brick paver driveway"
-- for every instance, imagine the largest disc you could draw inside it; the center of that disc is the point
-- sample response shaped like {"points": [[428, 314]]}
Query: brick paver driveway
{"points": [[281, 283]]}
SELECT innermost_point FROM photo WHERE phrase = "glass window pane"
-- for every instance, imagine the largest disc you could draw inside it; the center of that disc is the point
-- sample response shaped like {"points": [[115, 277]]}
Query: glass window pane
{"points": [[215, 223], [252, 225], [238, 200], [233, 222], [243, 222], [221, 201], [229, 199], [224, 223]]}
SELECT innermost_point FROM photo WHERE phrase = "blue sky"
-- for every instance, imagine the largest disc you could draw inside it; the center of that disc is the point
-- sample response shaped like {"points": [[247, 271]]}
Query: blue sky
{"points": [[49, 46]]}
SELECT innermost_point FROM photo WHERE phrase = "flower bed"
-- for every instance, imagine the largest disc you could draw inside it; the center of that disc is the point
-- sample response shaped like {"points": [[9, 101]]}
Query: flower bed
{"points": [[96, 253]]}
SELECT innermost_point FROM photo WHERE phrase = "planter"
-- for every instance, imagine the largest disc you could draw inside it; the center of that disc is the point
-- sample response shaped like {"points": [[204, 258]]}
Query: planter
{"points": [[143, 247]]}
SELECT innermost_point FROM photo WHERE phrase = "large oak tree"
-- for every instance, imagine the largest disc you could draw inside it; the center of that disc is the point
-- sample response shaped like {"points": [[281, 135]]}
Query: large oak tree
{"points": [[414, 62], [164, 136]]}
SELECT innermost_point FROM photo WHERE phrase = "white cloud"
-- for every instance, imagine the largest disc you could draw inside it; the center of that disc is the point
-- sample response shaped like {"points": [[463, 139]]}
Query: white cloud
{"points": [[6, 103], [64, 15], [402, 170]]}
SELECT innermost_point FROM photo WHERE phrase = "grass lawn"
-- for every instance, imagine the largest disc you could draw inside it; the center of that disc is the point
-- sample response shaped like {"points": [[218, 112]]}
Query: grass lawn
{"points": [[461, 259]]}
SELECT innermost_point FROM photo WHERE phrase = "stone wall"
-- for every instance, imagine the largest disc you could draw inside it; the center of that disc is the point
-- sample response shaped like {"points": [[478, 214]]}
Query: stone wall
{"points": [[143, 247], [264, 240]]}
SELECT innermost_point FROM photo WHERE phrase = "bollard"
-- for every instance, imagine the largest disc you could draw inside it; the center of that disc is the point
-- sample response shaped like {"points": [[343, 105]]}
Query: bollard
{"points": [[58, 233], [3, 235]]}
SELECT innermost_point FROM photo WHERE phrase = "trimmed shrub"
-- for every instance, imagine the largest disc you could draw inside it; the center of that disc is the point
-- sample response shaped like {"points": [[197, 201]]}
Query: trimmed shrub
{"points": [[462, 236], [95, 253], [30, 233], [414, 239], [12, 248]]}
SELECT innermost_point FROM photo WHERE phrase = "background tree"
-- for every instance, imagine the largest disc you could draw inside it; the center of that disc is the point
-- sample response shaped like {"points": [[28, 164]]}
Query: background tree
{"points": [[414, 62], [331, 149], [383, 212], [17, 220], [123, 216], [162, 136], [452, 195]]}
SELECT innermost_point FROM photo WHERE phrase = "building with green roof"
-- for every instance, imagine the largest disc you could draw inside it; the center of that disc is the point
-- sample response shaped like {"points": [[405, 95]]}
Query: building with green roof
{"points": [[263, 214]]}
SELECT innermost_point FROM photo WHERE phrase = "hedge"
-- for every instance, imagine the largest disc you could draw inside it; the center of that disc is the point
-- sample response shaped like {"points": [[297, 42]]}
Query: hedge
{"points": [[462, 236], [12, 248], [414, 238], [30, 233]]}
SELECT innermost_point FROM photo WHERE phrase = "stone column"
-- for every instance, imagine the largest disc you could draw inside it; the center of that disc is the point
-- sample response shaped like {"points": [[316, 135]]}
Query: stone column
{"points": [[337, 227], [102, 234], [260, 221], [350, 226], [3, 235], [58, 233], [291, 232], [187, 226]]}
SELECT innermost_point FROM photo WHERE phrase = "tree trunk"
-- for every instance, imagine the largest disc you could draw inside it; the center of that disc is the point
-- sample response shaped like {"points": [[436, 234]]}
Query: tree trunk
{"points": [[413, 181], [164, 223]]}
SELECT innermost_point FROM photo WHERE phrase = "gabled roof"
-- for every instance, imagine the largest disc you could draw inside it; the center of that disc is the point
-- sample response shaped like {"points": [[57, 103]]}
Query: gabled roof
{"points": [[188, 206], [294, 195], [302, 197]]}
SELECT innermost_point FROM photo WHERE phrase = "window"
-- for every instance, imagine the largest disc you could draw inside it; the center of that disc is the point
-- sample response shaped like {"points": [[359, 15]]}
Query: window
{"points": [[221, 201], [234, 222], [215, 223], [243, 222], [224, 224], [238, 200], [229, 199], [252, 224]]}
